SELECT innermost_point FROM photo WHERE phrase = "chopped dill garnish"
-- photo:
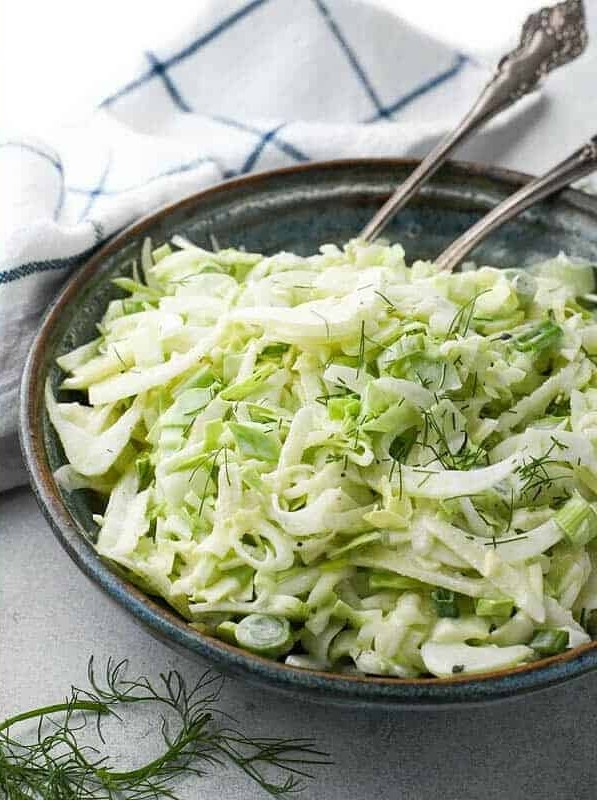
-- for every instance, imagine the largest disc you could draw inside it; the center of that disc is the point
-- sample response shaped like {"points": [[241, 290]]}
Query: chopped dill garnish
{"points": [[361, 356], [495, 542], [386, 300], [510, 510], [199, 464], [463, 318], [226, 465], [211, 476], [119, 357], [325, 322]]}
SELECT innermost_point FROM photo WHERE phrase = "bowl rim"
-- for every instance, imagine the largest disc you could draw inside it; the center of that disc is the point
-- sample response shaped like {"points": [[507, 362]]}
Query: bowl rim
{"points": [[169, 626]]}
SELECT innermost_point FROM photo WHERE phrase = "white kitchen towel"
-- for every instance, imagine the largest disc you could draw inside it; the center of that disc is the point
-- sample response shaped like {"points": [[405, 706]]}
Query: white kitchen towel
{"points": [[247, 85]]}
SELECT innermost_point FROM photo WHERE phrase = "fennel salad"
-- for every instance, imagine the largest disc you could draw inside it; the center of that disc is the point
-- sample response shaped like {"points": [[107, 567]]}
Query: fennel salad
{"points": [[344, 462]]}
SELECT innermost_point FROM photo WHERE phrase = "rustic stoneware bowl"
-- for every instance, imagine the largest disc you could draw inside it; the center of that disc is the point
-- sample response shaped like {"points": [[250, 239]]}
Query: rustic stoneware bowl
{"points": [[295, 209]]}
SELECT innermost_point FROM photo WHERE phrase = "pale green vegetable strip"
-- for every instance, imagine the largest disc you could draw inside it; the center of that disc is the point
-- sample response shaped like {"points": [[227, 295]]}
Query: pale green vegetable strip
{"points": [[378, 558], [447, 660], [92, 454], [128, 384], [424, 482], [535, 404]]}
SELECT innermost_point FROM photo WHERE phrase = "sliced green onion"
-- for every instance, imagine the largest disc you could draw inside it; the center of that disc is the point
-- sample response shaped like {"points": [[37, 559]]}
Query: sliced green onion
{"points": [[550, 642], [486, 607], [543, 336], [264, 634], [444, 602], [578, 521]]}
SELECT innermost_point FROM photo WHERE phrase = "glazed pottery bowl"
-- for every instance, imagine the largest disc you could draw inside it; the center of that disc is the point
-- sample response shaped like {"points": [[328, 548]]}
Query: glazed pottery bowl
{"points": [[295, 209]]}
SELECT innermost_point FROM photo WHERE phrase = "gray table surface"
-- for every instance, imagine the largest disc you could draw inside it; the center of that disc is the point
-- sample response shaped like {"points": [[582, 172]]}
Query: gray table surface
{"points": [[541, 746]]}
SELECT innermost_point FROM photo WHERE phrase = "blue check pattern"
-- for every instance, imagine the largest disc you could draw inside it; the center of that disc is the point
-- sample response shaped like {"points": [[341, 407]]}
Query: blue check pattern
{"points": [[249, 85], [329, 14], [160, 70]]}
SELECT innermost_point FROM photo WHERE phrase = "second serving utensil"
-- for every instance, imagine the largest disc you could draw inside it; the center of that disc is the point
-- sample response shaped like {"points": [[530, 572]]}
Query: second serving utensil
{"points": [[582, 162], [550, 38]]}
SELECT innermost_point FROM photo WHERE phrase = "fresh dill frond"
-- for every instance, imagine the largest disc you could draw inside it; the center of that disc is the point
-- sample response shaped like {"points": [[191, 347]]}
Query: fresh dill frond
{"points": [[196, 738]]}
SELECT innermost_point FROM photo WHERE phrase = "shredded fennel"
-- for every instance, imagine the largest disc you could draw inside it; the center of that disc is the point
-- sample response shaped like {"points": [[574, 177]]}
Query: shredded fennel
{"points": [[343, 461]]}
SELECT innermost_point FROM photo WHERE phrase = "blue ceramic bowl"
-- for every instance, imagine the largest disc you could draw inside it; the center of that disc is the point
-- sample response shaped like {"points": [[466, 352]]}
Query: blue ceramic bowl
{"points": [[295, 209]]}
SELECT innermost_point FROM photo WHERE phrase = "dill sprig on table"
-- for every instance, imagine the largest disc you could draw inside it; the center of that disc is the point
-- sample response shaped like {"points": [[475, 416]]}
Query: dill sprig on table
{"points": [[56, 766]]}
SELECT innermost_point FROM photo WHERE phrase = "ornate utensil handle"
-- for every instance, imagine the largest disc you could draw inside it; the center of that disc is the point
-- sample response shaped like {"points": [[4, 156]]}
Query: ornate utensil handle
{"points": [[580, 163], [550, 38]]}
